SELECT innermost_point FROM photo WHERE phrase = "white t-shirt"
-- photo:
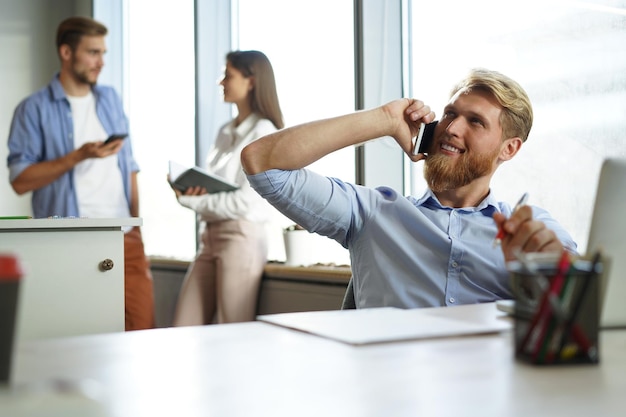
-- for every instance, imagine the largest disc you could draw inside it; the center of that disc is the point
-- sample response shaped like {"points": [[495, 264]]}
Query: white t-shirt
{"points": [[98, 181]]}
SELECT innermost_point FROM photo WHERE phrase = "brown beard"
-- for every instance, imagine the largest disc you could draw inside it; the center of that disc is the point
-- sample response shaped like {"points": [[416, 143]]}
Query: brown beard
{"points": [[81, 76], [83, 79], [441, 174]]}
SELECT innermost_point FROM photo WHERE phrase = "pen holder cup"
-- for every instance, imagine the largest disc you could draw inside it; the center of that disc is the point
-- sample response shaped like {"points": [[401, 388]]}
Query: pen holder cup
{"points": [[557, 308]]}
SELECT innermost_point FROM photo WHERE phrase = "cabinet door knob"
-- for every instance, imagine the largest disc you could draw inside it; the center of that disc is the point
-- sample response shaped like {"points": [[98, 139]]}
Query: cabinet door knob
{"points": [[106, 265]]}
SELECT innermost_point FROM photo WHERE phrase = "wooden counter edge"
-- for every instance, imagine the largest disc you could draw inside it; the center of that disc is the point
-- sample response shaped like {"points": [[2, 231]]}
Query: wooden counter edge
{"points": [[276, 270]]}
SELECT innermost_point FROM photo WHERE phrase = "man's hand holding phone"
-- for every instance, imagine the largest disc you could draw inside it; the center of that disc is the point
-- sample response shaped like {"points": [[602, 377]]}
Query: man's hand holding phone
{"points": [[115, 137], [99, 149]]}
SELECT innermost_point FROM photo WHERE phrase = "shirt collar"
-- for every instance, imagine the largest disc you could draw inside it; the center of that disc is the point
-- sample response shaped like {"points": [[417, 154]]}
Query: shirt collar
{"points": [[244, 127], [488, 205], [58, 93]]}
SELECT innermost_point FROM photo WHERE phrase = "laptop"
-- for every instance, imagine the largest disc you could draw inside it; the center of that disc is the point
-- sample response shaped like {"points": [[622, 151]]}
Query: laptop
{"points": [[608, 234]]}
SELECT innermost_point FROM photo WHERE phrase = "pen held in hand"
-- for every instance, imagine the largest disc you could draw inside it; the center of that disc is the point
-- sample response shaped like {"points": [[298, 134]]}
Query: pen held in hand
{"points": [[501, 232]]}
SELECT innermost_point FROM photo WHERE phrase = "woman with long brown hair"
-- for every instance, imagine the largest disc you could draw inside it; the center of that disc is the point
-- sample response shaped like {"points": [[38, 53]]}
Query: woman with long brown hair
{"points": [[222, 284]]}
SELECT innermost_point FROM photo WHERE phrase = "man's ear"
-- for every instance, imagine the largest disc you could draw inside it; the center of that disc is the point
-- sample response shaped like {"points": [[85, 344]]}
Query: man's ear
{"points": [[510, 147], [65, 52]]}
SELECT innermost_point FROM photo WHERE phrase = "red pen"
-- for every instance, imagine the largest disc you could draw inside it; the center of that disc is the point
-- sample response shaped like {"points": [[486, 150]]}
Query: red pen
{"points": [[501, 233]]}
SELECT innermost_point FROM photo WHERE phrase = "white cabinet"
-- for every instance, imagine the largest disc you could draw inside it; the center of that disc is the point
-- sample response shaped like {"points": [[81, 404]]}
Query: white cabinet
{"points": [[67, 290]]}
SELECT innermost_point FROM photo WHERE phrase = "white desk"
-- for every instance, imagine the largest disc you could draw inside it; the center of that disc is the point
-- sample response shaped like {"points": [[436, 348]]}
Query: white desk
{"points": [[259, 369], [64, 291]]}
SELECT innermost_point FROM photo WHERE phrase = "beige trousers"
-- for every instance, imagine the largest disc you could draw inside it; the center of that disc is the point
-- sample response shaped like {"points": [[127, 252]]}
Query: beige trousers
{"points": [[222, 283]]}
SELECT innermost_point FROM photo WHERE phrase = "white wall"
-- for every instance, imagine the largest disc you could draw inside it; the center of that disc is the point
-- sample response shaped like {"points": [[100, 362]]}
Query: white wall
{"points": [[27, 32]]}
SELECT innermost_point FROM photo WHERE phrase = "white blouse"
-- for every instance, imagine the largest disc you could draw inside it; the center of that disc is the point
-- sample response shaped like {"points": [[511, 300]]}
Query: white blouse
{"points": [[224, 160]]}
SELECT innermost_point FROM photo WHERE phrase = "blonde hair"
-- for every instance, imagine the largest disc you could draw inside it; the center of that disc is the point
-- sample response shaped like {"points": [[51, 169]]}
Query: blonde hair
{"points": [[517, 115]]}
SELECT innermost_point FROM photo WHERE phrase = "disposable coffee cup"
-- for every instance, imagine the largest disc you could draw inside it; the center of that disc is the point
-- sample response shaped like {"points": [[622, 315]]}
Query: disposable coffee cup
{"points": [[10, 278]]}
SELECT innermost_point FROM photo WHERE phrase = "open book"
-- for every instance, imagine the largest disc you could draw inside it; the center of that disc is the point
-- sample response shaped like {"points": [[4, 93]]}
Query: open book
{"points": [[182, 178]]}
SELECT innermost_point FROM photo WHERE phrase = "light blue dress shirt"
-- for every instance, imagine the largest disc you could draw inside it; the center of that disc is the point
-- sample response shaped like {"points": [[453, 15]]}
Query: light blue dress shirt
{"points": [[42, 130], [404, 252]]}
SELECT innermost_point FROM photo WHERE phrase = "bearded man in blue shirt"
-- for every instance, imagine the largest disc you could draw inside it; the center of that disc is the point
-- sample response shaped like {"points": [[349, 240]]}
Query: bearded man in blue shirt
{"points": [[57, 151], [435, 250]]}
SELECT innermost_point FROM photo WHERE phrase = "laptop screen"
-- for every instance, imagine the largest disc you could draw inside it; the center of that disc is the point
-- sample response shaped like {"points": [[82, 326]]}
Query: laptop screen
{"points": [[608, 234]]}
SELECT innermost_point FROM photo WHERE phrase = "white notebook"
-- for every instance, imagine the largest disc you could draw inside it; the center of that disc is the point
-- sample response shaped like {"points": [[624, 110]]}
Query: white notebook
{"points": [[381, 325]]}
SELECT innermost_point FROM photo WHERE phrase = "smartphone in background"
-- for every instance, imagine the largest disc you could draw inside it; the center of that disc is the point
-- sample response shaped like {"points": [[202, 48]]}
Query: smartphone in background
{"points": [[424, 138], [114, 137]]}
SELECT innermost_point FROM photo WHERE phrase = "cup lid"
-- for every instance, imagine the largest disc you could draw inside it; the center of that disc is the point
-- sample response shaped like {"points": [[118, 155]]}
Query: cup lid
{"points": [[10, 268]]}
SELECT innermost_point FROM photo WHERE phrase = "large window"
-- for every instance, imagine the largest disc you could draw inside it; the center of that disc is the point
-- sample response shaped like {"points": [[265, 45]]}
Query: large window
{"points": [[570, 58], [314, 68], [315, 77], [160, 93], [314, 72]]}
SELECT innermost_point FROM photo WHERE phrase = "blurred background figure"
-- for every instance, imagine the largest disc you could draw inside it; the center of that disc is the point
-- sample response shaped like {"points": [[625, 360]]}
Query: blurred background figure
{"points": [[65, 162], [222, 283]]}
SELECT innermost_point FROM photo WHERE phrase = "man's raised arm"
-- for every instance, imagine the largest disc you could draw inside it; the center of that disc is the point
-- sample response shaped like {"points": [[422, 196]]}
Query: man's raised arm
{"points": [[299, 146]]}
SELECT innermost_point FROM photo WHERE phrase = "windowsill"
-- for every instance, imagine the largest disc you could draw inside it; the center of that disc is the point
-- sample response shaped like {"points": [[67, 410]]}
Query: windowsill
{"points": [[168, 263], [277, 270], [318, 273]]}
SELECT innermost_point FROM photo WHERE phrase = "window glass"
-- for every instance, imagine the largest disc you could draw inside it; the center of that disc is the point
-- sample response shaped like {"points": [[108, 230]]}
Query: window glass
{"points": [[315, 77], [570, 58], [161, 100], [310, 45]]}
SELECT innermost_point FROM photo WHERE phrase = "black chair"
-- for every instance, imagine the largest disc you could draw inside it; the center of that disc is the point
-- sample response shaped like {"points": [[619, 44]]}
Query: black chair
{"points": [[348, 298]]}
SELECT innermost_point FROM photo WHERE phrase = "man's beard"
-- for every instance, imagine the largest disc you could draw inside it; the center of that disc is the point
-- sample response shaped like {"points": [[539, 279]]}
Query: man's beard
{"points": [[442, 175], [83, 76]]}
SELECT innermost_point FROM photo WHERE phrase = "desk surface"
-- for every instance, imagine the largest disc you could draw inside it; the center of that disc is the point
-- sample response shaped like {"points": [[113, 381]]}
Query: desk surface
{"points": [[259, 369]]}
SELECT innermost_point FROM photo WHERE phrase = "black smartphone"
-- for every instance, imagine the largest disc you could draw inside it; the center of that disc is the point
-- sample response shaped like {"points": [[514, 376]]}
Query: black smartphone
{"points": [[114, 137], [424, 138]]}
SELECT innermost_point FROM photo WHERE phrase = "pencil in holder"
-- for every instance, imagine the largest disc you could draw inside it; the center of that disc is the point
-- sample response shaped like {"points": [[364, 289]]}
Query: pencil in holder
{"points": [[556, 308]]}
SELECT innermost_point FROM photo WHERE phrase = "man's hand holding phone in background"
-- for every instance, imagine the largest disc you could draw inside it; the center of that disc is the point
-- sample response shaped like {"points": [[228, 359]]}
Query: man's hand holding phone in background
{"points": [[115, 137], [113, 143], [102, 149]]}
